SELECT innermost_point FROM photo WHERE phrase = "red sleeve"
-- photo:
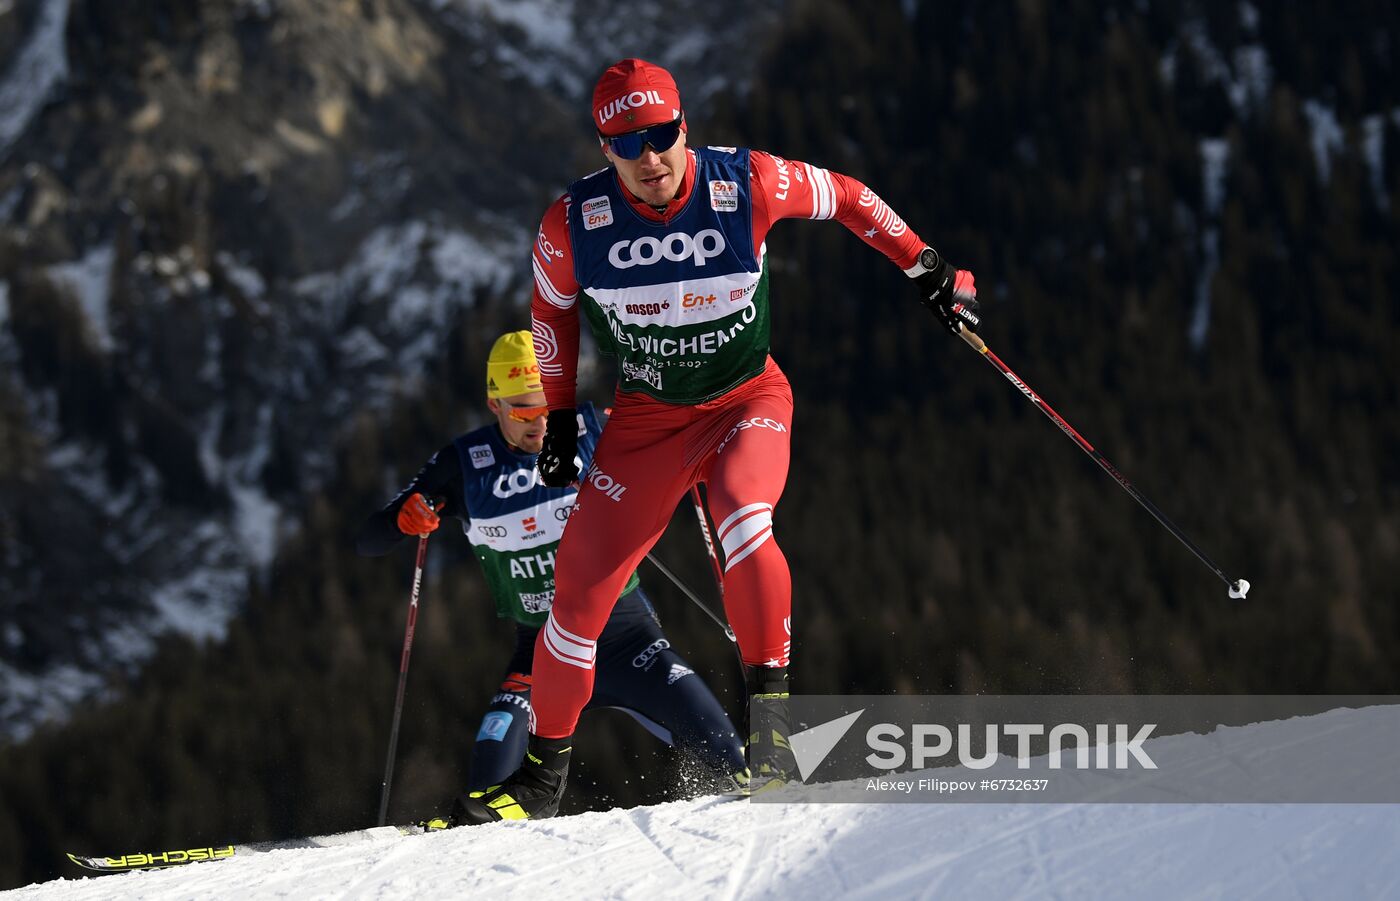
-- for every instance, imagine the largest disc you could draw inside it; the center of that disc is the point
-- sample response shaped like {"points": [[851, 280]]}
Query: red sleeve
{"points": [[788, 189], [554, 307]]}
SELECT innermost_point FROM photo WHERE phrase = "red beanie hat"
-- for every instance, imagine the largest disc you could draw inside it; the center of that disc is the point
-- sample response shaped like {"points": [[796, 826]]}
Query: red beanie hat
{"points": [[633, 94]]}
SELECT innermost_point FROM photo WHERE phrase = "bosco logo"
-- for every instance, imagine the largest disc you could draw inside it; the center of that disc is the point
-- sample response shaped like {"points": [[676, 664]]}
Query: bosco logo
{"points": [[676, 247], [757, 422], [547, 248]]}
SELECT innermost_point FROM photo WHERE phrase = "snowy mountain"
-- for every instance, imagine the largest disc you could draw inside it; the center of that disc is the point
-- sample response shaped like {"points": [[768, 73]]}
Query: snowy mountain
{"points": [[709, 848], [205, 278]]}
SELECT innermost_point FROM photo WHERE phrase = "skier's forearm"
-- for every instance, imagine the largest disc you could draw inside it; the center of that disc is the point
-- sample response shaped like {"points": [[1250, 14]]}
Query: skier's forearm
{"points": [[872, 220], [440, 479], [792, 189], [554, 307], [556, 347]]}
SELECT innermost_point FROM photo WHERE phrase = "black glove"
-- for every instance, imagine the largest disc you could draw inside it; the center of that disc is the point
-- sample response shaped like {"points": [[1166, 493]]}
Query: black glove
{"points": [[556, 459], [950, 294]]}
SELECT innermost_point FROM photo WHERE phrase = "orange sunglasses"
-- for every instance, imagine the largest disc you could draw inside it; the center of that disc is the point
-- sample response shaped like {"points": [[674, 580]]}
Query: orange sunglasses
{"points": [[522, 414]]}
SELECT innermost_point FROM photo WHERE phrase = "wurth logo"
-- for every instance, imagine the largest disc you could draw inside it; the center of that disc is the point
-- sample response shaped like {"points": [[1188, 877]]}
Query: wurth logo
{"points": [[633, 100], [529, 523]]}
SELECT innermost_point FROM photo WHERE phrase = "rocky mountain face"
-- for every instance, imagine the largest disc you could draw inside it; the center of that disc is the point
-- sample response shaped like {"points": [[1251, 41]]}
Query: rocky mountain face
{"points": [[228, 229]]}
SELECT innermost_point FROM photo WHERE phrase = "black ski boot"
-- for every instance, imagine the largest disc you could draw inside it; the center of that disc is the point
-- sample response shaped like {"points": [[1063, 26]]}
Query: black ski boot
{"points": [[531, 792], [771, 762]]}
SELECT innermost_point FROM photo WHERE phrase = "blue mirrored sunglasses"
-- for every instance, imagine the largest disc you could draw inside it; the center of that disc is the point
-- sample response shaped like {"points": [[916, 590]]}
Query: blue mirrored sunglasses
{"points": [[661, 138]]}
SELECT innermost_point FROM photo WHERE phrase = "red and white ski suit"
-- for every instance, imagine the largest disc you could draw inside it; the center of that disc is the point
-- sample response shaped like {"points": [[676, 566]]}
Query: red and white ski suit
{"points": [[652, 452]]}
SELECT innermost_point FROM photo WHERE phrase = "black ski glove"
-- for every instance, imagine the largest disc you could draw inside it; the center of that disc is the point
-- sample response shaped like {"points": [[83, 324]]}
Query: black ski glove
{"points": [[556, 460], [950, 294]]}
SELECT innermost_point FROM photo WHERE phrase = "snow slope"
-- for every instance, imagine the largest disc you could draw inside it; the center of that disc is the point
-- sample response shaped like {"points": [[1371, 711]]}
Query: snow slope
{"points": [[704, 849], [708, 848]]}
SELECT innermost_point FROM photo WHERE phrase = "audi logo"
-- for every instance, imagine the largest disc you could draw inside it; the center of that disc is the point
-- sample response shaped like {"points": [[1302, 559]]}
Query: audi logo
{"points": [[563, 513], [492, 531], [643, 660]]}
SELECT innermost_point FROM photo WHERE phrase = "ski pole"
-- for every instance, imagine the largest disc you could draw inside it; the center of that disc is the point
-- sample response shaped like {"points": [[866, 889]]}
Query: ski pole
{"points": [[675, 580], [1238, 587], [719, 621], [403, 677], [716, 569], [715, 566]]}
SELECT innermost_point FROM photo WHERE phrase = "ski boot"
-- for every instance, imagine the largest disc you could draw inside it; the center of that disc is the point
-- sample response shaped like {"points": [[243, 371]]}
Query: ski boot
{"points": [[531, 792], [771, 761]]}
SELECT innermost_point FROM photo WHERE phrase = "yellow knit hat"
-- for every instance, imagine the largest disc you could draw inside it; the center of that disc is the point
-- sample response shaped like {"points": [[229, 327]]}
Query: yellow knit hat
{"points": [[512, 369]]}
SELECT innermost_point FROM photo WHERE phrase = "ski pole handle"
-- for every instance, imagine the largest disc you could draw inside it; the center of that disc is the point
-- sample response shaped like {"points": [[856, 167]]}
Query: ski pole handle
{"points": [[971, 338]]}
